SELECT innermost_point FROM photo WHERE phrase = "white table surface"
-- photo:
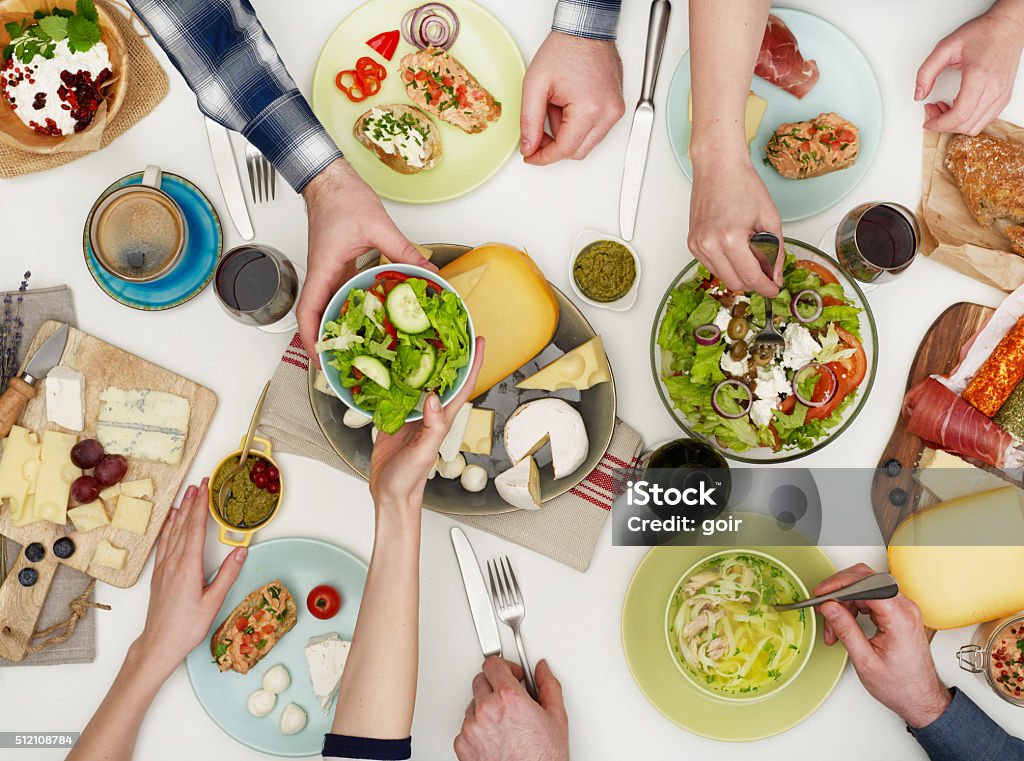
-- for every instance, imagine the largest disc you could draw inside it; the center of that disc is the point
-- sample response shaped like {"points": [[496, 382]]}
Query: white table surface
{"points": [[573, 618]]}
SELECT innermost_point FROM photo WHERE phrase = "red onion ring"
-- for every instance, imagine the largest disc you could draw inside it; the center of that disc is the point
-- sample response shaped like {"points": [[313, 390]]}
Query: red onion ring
{"points": [[738, 384], [795, 302], [823, 370], [431, 25], [707, 334]]}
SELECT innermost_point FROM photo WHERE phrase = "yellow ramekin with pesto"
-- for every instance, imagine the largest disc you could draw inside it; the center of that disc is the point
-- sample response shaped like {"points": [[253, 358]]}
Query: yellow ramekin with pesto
{"points": [[255, 497]]}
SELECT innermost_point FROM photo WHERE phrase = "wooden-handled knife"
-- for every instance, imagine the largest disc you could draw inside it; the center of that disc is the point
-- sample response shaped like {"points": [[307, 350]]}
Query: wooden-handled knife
{"points": [[22, 388]]}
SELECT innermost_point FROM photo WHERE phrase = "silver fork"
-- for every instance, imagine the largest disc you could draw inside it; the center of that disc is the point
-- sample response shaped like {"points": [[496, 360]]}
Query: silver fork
{"points": [[511, 609], [766, 249], [262, 177]]}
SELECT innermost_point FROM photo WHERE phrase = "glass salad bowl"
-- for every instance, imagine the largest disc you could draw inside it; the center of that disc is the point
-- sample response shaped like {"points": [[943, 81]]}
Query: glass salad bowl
{"points": [[847, 413]]}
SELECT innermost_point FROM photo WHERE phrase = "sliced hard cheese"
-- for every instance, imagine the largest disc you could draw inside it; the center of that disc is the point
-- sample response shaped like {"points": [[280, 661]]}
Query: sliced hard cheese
{"points": [[520, 485], [19, 467], [110, 492], [89, 517], [947, 476], [132, 514], [453, 439], [543, 421], [56, 473], [581, 368], [109, 556], [479, 435], [326, 655], [511, 304], [140, 488], [756, 107], [960, 560], [144, 424], [65, 398], [425, 252]]}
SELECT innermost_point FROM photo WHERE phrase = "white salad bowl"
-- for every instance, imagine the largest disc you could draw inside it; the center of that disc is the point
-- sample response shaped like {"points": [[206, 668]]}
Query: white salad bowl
{"points": [[365, 280]]}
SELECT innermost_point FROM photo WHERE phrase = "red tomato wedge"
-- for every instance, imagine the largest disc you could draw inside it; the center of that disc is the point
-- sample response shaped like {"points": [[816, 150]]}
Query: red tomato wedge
{"points": [[385, 43], [821, 271]]}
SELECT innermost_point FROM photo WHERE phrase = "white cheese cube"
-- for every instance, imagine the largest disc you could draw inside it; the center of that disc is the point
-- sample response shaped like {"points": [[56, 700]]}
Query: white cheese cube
{"points": [[65, 398]]}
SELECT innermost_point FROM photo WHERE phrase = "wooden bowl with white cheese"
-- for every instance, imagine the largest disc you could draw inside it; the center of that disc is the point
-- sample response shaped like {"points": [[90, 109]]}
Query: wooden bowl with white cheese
{"points": [[18, 134]]}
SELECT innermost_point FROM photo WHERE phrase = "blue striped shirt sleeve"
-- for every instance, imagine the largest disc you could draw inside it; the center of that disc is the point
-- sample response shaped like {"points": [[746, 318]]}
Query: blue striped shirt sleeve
{"points": [[225, 55], [593, 19]]}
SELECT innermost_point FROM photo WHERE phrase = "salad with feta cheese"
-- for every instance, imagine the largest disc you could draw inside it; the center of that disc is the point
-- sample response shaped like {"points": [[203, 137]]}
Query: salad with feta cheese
{"points": [[734, 393], [391, 343]]}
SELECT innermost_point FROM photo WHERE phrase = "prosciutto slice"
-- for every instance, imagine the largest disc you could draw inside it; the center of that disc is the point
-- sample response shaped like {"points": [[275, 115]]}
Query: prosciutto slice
{"points": [[943, 419], [780, 63]]}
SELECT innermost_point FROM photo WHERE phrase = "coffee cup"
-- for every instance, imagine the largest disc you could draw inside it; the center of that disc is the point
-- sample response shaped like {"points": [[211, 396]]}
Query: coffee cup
{"points": [[139, 233]]}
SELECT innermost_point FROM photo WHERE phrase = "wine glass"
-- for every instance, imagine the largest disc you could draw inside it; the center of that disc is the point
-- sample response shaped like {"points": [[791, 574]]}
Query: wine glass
{"points": [[258, 285], [876, 242]]}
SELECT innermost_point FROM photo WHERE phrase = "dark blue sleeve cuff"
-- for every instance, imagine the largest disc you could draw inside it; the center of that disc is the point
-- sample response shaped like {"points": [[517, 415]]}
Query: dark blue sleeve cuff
{"points": [[343, 746], [966, 733]]}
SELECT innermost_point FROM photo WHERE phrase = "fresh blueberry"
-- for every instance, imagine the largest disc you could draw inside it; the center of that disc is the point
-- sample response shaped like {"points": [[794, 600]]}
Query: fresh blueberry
{"points": [[35, 552], [28, 576], [893, 467], [64, 548]]}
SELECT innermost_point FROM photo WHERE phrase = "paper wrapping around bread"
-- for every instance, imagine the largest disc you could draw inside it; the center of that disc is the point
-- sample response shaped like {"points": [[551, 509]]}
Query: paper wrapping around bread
{"points": [[15, 133], [950, 234], [960, 560]]}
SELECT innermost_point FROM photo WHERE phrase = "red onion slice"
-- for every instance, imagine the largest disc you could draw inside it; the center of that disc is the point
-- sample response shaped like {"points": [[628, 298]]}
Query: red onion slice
{"points": [[707, 334], [737, 384], [822, 370], [431, 25], [815, 298]]}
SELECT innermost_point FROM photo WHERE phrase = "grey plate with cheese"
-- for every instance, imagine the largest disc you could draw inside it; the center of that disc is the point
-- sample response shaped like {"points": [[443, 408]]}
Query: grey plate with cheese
{"points": [[596, 405]]}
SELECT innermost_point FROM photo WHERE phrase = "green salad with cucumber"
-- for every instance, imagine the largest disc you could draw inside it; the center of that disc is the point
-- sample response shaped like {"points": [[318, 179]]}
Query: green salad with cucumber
{"points": [[392, 343]]}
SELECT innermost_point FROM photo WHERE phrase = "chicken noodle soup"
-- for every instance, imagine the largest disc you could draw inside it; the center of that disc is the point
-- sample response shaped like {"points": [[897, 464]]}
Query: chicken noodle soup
{"points": [[723, 630]]}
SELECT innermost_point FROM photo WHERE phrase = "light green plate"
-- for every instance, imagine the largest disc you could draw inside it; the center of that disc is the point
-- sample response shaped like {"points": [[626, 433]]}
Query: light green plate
{"points": [[486, 49], [662, 683]]}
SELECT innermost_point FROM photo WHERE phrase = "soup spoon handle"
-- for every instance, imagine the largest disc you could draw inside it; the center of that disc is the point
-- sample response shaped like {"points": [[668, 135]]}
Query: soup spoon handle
{"points": [[878, 586]]}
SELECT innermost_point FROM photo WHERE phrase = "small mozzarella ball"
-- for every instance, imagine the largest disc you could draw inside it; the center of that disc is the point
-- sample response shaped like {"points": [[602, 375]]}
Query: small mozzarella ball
{"points": [[373, 434], [474, 478], [277, 679], [451, 469], [261, 703], [293, 719], [355, 419]]}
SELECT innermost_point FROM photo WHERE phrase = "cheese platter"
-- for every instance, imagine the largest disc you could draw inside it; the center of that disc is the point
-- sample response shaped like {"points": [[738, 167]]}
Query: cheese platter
{"points": [[93, 499], [543, 412]]}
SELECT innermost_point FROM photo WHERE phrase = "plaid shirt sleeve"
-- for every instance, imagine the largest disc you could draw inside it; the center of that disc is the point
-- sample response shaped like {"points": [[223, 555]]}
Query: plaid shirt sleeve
{"points": [[593, 19], [228, 60]]}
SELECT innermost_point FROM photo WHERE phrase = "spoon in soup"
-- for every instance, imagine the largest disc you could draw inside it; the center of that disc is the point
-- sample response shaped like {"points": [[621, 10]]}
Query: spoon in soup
{"points": [[878, 586]]}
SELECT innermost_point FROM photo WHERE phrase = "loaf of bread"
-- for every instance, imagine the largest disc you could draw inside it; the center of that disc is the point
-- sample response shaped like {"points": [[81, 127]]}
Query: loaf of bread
{"points": [[990, 174]]}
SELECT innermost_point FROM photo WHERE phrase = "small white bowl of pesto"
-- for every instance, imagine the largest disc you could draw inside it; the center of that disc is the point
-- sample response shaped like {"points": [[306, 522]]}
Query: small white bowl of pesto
{"points": [[604, 271]]}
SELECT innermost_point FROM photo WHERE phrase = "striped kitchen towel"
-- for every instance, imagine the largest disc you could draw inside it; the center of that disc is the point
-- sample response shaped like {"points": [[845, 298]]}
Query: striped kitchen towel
{"points": [[566, 529]]}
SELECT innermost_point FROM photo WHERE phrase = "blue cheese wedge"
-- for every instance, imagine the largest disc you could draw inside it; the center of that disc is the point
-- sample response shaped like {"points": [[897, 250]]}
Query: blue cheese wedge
{"points": [[326, 655], [143, 424]]}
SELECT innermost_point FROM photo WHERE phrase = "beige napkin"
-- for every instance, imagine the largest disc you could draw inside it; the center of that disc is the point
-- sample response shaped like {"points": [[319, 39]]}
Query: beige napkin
{"points": [[566, 529], [37, 307]]}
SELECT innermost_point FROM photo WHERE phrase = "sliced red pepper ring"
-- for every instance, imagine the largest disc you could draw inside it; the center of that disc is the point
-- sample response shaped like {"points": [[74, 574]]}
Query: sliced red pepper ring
{"points": [[371, 85], [352, 76]]}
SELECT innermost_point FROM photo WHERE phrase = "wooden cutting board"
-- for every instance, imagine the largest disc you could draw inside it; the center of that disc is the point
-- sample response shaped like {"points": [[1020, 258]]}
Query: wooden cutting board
{"points": [[896, 496], [103, 365]]}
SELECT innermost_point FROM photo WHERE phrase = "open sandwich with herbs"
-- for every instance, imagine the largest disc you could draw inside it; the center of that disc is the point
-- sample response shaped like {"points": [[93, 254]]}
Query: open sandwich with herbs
{"points": [[401, 136], [252, 629]]}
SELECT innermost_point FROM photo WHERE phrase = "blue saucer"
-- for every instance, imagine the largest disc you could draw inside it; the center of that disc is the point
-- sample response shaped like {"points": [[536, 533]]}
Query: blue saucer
{"points": [[195, 269]]}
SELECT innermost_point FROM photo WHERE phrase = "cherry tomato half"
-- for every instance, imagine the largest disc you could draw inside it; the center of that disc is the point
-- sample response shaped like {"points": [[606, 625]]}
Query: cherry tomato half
{"points": [[324, 602]]}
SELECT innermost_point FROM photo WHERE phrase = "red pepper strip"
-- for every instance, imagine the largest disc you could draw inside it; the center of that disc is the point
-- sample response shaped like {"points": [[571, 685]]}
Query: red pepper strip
{"points": [[437, 343], [385, 43], [344, 307], [357, 389], [389, 328], [378, 295], [392, 275], [358, 375], [393, 344]]}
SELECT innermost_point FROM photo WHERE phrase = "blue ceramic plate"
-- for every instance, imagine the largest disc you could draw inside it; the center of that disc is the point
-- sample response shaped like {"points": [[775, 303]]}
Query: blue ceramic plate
{"points": [[847, 86], [191, 274], [364, 280], [300, 564]]}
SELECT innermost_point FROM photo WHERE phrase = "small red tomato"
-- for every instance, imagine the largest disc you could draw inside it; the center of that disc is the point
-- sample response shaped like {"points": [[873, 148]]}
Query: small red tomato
{"points": [[260, 479], [272, 473], [274, 487], [324, 601], [259, 466]]}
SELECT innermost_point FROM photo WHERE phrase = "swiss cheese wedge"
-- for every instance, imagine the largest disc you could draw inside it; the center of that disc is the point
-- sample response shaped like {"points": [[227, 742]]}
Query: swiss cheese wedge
{"points": [[581, 368], [960, 560], [512, 306]]}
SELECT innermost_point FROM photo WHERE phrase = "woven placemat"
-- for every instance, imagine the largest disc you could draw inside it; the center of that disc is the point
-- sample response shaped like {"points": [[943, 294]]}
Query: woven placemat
{"points": [[147, 86]]}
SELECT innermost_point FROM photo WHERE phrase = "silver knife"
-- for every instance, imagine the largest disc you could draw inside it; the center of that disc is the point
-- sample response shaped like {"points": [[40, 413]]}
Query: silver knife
{"points": [[643, 120], [227, 173], [22, 388], [476, 592]]}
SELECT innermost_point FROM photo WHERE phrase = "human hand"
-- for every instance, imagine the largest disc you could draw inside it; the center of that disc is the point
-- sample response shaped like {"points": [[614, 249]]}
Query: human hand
{"points": [[181, 605], [346, 219], [987, 52], [503, 723], [577, 84], [895, 665], [401, 461], [729, 203]]}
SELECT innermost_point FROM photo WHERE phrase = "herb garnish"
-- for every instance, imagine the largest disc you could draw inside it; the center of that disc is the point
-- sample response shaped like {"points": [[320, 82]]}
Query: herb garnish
{"points": [[40, 35]]}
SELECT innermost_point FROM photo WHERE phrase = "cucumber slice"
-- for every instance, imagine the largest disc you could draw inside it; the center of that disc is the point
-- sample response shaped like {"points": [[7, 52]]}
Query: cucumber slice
{"points": [[419, 377], [373, 369], [405, 311]]}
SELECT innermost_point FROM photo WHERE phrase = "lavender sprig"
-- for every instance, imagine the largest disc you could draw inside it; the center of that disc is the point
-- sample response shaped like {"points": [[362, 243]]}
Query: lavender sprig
{"points": [[11, 332]]}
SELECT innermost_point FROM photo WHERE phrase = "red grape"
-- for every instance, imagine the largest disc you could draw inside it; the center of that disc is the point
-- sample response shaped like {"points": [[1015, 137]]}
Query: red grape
{"points": [[86, 453], [85, 489], [111, 469]]}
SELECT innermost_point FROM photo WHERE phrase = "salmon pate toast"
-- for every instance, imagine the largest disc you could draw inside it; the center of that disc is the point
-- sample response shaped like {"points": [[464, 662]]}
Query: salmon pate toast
{"points": [[814, 147], [439, 84], [253, 628]]}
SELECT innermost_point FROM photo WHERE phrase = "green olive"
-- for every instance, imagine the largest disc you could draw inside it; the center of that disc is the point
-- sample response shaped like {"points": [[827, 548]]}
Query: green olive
{"points": [[762, 355], [738, 327], [738, 351]]}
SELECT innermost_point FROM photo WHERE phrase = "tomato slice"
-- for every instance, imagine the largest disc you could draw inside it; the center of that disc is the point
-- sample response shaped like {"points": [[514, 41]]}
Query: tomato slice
{"points": [[241, 623], [821, 271], [852, 370]]}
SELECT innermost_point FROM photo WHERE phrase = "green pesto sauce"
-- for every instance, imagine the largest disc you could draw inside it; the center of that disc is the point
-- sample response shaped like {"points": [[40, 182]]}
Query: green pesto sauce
{"points": [[248, 504], [604, 271], [1011, 415]]}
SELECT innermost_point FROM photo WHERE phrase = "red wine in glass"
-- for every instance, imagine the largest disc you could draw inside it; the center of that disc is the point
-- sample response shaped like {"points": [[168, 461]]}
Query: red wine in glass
{"points": [[876, 242]]}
